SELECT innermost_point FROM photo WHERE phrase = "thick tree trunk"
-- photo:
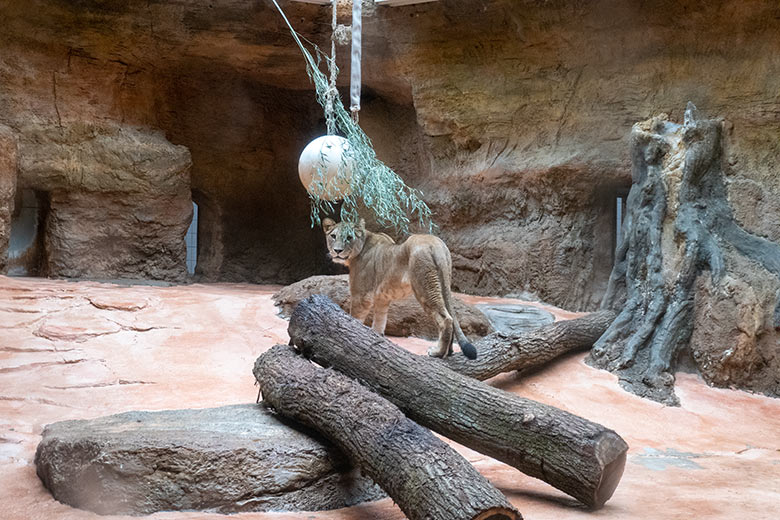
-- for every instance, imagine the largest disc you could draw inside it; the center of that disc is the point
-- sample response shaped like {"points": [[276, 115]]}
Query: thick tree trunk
{"points": [[579, 457], [679, 224], [426, 478], [498, 352]]}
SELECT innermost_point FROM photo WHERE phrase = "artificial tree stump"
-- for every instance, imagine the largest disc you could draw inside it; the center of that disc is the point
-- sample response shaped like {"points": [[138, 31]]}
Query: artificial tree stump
{"points": [[426, 478], [499, 352], [682, 248], [577, 456]]}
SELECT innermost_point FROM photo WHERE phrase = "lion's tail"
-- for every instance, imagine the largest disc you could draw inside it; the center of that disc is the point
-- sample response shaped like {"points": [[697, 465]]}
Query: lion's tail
{"points": [[465, 345]]}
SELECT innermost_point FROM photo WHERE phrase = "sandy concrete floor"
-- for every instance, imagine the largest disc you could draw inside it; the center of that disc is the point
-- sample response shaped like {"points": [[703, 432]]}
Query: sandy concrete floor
{"points": [[81, 350]]}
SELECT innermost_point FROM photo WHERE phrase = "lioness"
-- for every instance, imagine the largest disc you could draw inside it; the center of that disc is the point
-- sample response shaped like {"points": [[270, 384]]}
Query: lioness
{"points": [[381, 271]]}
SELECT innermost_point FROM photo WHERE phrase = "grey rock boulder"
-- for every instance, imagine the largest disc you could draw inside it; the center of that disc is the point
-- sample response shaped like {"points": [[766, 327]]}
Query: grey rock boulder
{"points": [[516, 318], [226, 460]]}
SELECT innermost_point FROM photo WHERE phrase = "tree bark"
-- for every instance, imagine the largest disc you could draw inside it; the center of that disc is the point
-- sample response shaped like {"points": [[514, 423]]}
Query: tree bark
{"points": [[426, 478], [499, 352], [579, 457], [678, 225]]}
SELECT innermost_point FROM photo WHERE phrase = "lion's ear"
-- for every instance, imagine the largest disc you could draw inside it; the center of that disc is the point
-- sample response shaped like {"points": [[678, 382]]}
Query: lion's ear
{"points": [[327, 225]]}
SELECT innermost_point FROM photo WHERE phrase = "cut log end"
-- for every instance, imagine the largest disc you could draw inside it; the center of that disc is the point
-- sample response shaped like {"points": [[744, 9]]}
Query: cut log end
{"points": [[610, 478], [499, 513], [610, 451], [579, 457]]}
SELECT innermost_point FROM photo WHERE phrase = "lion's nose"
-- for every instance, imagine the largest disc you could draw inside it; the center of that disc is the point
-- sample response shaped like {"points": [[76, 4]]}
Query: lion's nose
{"points": [[337, 251]]}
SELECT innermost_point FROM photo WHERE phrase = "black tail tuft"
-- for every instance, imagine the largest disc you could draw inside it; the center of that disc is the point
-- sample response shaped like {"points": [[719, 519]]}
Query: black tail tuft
{"points": [[469, 351]]}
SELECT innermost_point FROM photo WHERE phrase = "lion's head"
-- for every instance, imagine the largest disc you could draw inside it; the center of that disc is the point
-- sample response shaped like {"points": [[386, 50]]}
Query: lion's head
{"points": [[344, 242]]}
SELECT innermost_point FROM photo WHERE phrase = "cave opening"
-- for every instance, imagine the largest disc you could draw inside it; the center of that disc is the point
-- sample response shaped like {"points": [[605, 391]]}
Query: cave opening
{"points": [[203, 239], [27, 244]]}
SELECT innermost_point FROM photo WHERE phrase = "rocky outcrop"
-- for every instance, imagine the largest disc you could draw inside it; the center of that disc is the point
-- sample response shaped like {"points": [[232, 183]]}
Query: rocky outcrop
{"points": [[735, 337], [525, 112], [226, 460], [116, 200], [8, 169], [512, 116], [405, 317]]}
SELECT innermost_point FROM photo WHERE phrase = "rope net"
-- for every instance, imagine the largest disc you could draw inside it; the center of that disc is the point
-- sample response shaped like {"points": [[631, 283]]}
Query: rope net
{"points": [[372, 183]]}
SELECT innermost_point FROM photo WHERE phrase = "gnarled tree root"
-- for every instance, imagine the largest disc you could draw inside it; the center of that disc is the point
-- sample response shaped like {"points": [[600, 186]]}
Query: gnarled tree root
{"points": [[678, 225]]}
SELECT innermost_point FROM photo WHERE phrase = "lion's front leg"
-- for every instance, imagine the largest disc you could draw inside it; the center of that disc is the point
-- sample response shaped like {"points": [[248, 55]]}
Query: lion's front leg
{"points": [[360, 306], [381, 306]]}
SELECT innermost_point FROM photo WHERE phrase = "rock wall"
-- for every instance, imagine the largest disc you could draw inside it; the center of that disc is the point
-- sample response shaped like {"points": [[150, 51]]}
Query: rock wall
{"points": [[512, 116], [526, 110], [245, 142], [115, 200], [735, 339], [8, 168]]}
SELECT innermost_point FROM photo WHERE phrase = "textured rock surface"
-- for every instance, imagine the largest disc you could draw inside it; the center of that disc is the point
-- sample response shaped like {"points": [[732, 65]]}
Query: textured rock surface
{"points": [[547, 136], [226, 460], [716, 456], [117, 200], [512, 115], [516, 319], [8, 171], [405, 317], [735, 342], [527, 129]]}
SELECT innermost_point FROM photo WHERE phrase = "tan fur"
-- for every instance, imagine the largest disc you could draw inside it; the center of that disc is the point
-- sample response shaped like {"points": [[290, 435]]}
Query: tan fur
{"points": [[381, 271]]}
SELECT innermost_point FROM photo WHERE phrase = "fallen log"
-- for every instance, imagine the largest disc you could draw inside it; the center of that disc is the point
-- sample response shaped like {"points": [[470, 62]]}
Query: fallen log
{"points": [[426, 478], [577, 456], [499, 352]]}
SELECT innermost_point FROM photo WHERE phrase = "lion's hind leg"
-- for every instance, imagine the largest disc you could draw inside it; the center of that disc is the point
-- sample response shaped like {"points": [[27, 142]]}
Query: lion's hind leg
{"points": [[443, 348], [429, 295]]}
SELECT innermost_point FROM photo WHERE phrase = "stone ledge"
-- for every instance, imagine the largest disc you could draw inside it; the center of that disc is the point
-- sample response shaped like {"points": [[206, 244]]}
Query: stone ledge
{"points": [[226, 460]]}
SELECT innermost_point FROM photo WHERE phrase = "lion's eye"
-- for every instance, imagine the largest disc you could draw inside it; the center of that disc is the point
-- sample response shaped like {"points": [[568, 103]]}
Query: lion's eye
{"points": [[333, 236]]}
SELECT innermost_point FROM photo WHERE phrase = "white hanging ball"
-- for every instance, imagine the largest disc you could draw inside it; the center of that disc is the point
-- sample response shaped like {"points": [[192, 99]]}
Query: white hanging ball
{"points": [[326, 154]]}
